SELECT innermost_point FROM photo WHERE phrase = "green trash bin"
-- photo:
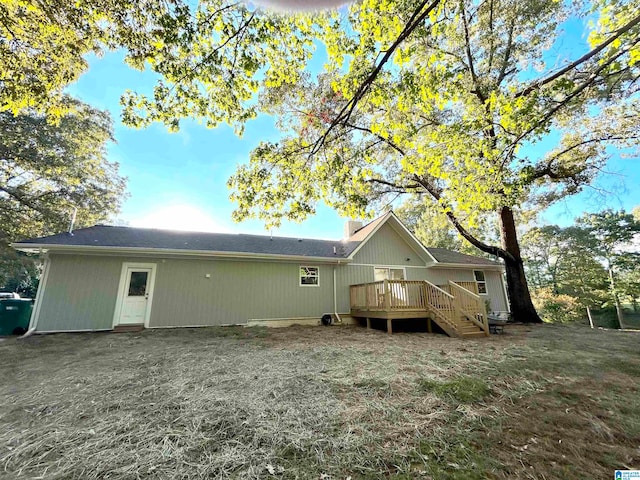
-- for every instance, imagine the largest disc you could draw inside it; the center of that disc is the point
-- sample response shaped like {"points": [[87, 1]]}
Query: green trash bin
{"points": [[14, 315]]}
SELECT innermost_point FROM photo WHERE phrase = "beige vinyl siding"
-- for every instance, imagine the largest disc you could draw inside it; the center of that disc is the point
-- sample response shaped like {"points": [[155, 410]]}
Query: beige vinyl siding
{"points": [[237, 291], [347, 275], [387, 247], [81, 292], [441, 276], [495, 289]]}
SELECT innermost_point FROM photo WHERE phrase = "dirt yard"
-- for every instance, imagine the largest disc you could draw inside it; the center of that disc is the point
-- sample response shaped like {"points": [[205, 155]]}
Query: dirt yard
{"points": [[547, 402]]}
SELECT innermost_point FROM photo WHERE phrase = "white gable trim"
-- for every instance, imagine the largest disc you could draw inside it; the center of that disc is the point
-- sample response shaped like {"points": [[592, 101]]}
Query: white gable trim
{"points": [[403, 228], [414, 238], [469, 266]]}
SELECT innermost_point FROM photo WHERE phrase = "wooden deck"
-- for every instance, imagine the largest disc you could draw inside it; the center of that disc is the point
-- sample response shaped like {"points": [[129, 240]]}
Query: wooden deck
{"points": [[458, 311]]}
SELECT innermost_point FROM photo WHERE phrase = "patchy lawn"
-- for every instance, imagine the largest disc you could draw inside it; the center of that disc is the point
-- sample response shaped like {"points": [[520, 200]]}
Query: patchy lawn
{"points": [[547, 402]]}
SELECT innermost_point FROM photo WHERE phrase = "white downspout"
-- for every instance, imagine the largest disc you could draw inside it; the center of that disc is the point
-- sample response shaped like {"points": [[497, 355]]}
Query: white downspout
{"points": [[35, 314], [504, 292], [335, 295]]}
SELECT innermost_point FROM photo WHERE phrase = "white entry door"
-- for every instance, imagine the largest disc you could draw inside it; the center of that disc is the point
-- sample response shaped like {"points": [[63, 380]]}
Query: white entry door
{"points": [[135, 295]]}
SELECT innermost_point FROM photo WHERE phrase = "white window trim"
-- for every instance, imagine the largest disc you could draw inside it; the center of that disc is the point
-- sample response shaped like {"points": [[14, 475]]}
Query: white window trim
{"points": [[390, 267], [300, 284], [486, 286]]}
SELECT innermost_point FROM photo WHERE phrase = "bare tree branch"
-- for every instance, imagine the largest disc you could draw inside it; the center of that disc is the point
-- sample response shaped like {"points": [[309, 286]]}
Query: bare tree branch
{"points": [[416, 20], [587, 56], [435, 192], [386, 140]]}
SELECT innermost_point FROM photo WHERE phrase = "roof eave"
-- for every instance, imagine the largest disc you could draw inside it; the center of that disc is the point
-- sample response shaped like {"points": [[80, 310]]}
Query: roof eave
{"points": [[484, 266], [390, 215], [42, 248]]}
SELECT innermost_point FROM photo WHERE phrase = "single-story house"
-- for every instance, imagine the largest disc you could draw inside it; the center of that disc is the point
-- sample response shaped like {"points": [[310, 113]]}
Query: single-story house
{"points": [[107, 277]]}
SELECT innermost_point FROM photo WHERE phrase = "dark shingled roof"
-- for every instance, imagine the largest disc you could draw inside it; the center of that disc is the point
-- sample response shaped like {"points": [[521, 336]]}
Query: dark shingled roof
{"points": [[127, 237], [443, 255]]}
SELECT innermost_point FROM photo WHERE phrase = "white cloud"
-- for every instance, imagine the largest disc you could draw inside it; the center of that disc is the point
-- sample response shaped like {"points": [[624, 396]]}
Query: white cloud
{"points": [[180, 217]]}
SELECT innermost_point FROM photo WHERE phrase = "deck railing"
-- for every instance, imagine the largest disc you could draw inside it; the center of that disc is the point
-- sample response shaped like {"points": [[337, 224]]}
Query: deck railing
{"points": [[471, 305], [450, 306], [441, 302], [406, 295], [388, 295], [367, 296], [471, 286]]}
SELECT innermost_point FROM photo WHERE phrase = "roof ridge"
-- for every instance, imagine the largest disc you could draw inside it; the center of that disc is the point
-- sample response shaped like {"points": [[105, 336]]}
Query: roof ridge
{"points": [[374, 220], [197, 232]]}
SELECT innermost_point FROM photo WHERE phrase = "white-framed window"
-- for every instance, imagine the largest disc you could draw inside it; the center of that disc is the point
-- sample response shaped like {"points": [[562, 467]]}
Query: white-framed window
{"points": [[388, 273], [481, 282], [309, 276]]}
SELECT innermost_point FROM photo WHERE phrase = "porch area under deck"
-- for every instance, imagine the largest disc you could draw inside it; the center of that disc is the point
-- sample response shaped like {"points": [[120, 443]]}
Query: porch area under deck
{"points": [[457, 310]]}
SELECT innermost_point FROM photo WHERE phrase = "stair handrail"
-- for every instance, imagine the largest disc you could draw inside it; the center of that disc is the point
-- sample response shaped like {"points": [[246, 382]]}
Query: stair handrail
{"points": [[480, 306], [436, 309], [438, 288]]}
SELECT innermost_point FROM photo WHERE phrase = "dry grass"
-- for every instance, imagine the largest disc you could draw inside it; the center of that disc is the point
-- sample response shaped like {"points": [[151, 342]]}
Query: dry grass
{"points": [[549, 402]]}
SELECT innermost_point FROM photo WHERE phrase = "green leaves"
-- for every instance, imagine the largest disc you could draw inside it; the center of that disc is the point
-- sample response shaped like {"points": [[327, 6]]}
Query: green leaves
{"points": [[462, 104], [577, 260], [47, 170], [45, 44]]}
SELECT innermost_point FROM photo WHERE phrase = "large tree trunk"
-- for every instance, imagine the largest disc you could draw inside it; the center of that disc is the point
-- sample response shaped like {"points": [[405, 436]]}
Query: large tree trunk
{"points": [[522, 309]]}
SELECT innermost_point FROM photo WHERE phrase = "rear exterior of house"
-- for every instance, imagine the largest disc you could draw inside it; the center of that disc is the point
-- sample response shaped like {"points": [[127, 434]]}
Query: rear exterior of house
{"points": [[105, 277]]}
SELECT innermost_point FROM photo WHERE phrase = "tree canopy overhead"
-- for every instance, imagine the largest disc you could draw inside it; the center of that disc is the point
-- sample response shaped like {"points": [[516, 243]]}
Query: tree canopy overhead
{"points": [[212, 55], [47, 171], [453, 110], [443, 99]]}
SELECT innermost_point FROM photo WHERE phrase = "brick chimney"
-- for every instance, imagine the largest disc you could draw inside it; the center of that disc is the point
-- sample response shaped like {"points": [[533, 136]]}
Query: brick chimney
{"points": [[350, 227]]}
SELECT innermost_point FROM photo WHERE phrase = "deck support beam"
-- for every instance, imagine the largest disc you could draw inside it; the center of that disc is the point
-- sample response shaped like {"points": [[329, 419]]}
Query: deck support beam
{"points": [[429, 327], [368, 323], [389, 327]]}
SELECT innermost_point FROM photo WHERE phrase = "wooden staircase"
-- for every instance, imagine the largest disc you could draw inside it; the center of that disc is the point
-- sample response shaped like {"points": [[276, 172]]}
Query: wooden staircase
{"points": [[459, 312]]}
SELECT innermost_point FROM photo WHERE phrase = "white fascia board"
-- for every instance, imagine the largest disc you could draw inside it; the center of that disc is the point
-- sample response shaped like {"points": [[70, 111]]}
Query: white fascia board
{"points": [[89, 249], [468, 266], [405, 230], [371, 234], [413, 237]]}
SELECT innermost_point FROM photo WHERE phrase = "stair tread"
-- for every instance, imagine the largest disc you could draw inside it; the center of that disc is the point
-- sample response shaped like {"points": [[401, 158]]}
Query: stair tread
{"points": [[473, 334]]}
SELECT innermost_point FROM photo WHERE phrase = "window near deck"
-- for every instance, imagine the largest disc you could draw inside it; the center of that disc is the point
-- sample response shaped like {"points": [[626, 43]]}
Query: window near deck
{"points": [[387, 273], [309, 276], [480, 281]]}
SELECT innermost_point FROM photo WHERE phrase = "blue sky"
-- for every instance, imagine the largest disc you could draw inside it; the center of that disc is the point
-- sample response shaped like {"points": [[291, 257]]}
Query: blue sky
{"points": [[178, 180]]}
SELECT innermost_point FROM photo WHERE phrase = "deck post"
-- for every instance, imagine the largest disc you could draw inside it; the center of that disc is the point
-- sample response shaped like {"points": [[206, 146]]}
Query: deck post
{"points": [[351, 296], [485, 318], [429, 328], [387, 296], [389, 328], [368, 323]]}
